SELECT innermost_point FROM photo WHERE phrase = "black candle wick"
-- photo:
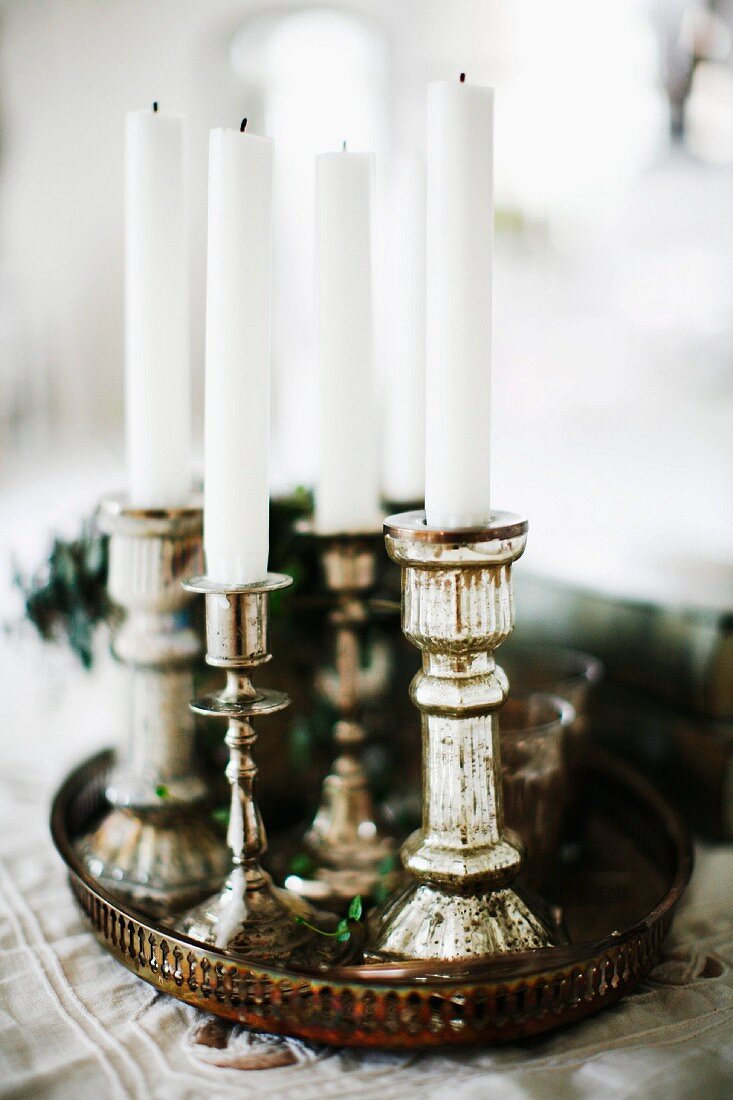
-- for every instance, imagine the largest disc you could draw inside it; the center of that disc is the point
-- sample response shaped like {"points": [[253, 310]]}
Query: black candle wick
{"points": [[462, 78], [243, 126], [155, 106]]}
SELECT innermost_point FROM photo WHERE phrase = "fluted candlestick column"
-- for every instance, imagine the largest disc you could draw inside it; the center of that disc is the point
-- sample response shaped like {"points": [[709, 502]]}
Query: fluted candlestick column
{"points": [[457, 608], [157, 845]]}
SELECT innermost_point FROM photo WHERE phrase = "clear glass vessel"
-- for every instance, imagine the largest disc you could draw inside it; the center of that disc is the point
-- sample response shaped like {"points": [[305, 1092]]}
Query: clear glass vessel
{"points": [[533, 728], [554, 670]]}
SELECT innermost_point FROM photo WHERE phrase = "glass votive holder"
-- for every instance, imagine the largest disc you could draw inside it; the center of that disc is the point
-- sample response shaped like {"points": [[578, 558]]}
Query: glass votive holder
{"points": [[554, 670], [532, 729]]}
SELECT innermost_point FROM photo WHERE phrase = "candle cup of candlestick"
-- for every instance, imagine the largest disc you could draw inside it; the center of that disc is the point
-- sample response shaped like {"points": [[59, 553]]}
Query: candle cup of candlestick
{"points": [[345, 843], [462, 901], [157, 845], [249, 915]]}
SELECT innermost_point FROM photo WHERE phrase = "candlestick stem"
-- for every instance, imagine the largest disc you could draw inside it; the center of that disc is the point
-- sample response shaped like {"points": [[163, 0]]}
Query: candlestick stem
{"points": [[249, 915], [345, 841]]}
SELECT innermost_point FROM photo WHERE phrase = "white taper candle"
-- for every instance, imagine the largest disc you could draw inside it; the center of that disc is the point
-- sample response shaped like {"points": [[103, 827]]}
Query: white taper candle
{"points": [[403, 448], [237, 418], [347, 497], [459, 267], [157, 322]]}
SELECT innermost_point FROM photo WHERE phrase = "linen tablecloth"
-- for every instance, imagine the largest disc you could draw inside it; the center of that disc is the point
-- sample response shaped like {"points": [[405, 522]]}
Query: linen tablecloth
{"points": [[76, 1024]]}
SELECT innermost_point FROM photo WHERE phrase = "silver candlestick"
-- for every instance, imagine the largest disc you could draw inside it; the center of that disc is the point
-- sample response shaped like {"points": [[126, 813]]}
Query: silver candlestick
{"points": [[250, 915], [457, 608], [157, 846], [345, 841]]}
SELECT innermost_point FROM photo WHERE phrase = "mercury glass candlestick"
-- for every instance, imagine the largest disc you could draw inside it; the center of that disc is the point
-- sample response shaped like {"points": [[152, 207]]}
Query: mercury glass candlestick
{"points": [[457, 608], [157, 846], [345, 841], [249, 915]]}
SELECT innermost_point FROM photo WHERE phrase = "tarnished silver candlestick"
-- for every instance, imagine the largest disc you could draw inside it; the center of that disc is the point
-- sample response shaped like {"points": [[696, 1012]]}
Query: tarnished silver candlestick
{"points": [[457, 608], [345, 840], [157, 846], [249, 915]]}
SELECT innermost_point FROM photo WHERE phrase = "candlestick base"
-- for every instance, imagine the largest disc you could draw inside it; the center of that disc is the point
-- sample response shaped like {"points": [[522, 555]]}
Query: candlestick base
{"points": [[262, 922], [250, 916], [345, 842], [427, 922], [161, 860], [157, 846], [457, 608]]}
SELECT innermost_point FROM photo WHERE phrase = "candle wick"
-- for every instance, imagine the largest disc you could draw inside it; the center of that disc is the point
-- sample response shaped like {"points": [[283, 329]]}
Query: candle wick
{"points": [[462, 78], [243, 126], [155, 106], [343, 146]]}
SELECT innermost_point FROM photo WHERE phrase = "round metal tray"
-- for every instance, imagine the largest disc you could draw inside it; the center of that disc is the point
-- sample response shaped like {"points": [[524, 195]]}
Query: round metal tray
{"points": [[631, 861]]}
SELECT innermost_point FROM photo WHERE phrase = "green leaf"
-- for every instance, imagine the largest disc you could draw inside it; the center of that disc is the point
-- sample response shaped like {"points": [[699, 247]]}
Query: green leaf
{"points": [[300, 743], [301, 920], [66, 597], [303, 498], [355, 908], [221, 815], [95, 559], [162, 791], [388, 864], [341, 935], [380, 893], [301, 864]]}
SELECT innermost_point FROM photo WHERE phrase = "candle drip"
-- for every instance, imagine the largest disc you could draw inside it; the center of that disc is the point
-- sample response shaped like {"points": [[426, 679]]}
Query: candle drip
{"points": [[462, 78], [243, 126], [155, 106]]}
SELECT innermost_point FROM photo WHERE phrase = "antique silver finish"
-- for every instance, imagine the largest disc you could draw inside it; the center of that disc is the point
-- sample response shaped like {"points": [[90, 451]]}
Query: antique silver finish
{"points": [[457, 608], [345, 840], [157, 845], [249, 916]]}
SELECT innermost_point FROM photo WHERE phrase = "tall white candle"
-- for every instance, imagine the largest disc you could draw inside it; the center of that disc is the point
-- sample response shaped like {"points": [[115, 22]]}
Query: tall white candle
{"points": [[460, 220], [237, 419], [403, 445], [157, 323], [347, 497]]}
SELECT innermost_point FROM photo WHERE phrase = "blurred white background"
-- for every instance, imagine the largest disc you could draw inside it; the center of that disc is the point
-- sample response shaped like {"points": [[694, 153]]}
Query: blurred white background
{"points": [[613, 345]]}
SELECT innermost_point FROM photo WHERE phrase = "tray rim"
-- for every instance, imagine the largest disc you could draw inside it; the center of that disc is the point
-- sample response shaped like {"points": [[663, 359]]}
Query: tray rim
{"points": [[636, 947]]}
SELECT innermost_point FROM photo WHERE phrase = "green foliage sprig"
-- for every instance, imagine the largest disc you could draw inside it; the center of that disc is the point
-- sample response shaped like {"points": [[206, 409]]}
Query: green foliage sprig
{"points": [[67, 597], [343, 929]]}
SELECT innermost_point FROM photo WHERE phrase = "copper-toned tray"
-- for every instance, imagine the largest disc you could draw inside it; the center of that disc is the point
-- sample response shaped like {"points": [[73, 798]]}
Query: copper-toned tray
{"points": [[631, 864]]}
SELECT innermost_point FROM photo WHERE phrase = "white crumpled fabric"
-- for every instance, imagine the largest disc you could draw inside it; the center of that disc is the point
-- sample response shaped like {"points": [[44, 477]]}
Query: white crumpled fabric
{"points": [[75, 1024]]}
